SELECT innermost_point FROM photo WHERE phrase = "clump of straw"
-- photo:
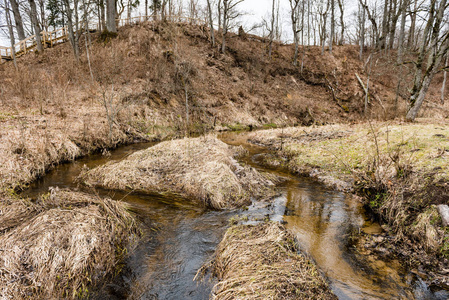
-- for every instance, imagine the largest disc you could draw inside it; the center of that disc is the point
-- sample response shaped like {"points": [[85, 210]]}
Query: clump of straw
{"points": [[203, 168], [262, 262], [68, 243]]}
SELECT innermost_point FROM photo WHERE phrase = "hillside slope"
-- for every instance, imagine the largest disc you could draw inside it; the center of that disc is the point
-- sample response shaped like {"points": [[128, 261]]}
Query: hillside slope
{"points": [[134, 86]]}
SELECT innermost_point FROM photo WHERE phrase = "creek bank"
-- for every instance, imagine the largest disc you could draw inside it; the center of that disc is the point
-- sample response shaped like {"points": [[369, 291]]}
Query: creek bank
{"points": [[263, 262], [61, 245], [202, 168], [399, 170]]}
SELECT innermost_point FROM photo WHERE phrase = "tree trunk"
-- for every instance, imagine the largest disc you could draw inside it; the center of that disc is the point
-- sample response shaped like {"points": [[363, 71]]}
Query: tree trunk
{"points": [[372, 19], [35, 22], [270, 47], [294, 15], [146, 10], [362, 32], [385, 17], [434, 46], [395, 13], [443, 86], [331, 38], [225, 25], [219, 16], [340, 5], [417, 99], [402, 30], [11, 34], [72, 37], [111, 15], [411, 35], [211, 23], [18, 19]]}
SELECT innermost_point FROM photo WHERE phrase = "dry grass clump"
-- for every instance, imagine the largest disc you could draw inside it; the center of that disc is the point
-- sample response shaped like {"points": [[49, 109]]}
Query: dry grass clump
{"points": [[203, 168], [262, 262], [69, 242]]}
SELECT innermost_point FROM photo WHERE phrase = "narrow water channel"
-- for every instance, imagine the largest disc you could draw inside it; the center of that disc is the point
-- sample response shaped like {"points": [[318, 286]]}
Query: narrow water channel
{"points": [[179, 236]]}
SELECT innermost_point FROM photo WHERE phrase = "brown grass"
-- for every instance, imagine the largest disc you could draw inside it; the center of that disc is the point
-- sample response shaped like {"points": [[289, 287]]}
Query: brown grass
{"points": [[65, 244], [202, 168], [263, 262], [50, 110]]}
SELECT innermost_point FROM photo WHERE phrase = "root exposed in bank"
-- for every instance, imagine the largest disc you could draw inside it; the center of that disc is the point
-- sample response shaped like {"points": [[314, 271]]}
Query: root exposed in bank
{"points": [[202, 168], [67, 243], [262, 262]]}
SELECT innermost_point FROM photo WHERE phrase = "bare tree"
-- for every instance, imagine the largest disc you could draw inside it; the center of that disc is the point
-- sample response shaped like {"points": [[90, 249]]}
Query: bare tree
{"points": [[332, 33], [341, 4], [296, 28], [72, 33], [272, 29], [11, 34], [211, 23], [443, 86], [323, 10], [403, 9], [111, 14], [433, 46], [362, 30], [17, 19], [372, 18], [230, 13], [36, 27]]}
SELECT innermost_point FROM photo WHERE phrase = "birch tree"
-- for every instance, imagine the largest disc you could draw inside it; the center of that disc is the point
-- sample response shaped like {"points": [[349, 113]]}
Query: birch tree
{"points": [[433, 46]]}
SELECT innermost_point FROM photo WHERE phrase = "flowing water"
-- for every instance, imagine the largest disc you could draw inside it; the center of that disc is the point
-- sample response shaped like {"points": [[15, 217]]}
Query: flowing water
{"points": [[179, 236]]}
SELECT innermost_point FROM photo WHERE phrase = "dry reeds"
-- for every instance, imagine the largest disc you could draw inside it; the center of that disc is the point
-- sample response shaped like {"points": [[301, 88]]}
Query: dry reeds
{"points": [[262, 262], [68, 243], [202, 168]]}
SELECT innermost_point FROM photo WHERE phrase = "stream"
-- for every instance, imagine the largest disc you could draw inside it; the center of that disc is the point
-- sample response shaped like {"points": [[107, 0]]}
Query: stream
{"points": [[179, 236]]}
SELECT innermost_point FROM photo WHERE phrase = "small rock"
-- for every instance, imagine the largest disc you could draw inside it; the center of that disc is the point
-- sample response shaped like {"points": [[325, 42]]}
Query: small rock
{"points": [[443, 209]]}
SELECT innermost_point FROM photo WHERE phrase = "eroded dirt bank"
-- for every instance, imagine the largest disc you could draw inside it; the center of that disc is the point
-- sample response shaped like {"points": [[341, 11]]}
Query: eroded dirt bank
{"points": [[400, 170], [61, 244], [201, 168]]}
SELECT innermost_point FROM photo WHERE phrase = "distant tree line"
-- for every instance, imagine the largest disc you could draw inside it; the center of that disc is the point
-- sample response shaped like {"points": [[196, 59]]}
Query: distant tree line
{"points": [[417, 27]]}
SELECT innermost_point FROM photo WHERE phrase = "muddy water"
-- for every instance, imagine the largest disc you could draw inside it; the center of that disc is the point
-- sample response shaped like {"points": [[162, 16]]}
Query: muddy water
{"points": [[179, 236]]}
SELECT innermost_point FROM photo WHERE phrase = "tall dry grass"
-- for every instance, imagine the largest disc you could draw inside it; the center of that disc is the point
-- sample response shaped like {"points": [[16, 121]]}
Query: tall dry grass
{"points": [[200, 168], [263, 262], [62, 245]]}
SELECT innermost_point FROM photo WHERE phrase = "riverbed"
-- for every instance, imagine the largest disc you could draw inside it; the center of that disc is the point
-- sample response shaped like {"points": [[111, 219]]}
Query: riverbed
{"points": [[179, 236]]}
